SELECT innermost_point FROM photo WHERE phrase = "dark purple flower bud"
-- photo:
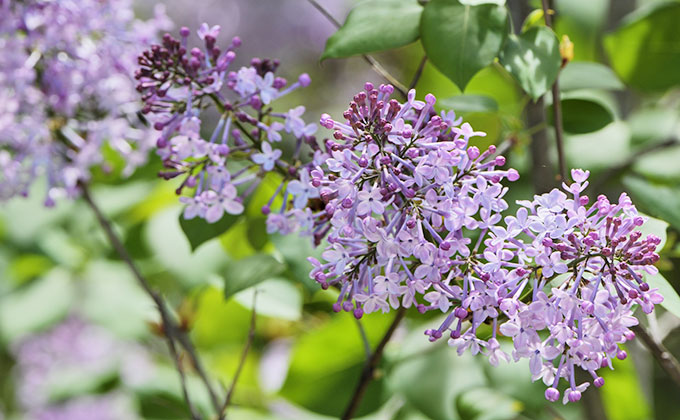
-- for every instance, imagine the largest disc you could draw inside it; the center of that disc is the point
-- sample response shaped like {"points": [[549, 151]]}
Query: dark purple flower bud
{"points": [[598, 382]]}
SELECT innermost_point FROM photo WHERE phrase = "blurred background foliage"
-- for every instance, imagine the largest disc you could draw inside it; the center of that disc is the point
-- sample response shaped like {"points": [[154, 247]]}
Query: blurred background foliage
{"points": [[621, 102]]}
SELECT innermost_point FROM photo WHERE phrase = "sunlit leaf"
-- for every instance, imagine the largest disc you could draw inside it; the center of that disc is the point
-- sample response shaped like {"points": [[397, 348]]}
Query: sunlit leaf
{"points": [[461, 39], [469, 103], [659, 200], [245, 273], [588, 75], [644, 50], [533, 58], [375, 26]]}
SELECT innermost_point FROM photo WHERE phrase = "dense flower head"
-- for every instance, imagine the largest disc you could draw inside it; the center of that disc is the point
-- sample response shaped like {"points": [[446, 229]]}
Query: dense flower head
{"points": [[79, 350], [179, 82], [560, 278], [404, 193], [67, 91]]}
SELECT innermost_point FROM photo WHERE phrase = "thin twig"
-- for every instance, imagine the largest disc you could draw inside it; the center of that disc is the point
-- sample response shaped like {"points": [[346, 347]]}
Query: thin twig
{"points": [[419, 72], [377, 67], [557, 106], [364, 339], [666, 360], [369, 369], [242, 361], [170, 328], [182, 377]]}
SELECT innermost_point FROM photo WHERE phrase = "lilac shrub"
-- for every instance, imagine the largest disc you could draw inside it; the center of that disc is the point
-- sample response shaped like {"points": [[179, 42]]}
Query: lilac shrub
{"points": [[67, 91], [179, 83]]}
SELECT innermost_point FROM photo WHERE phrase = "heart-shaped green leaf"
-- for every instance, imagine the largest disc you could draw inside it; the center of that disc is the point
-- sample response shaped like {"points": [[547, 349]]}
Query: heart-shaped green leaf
{"points": [[461, 39], [533, 59]]}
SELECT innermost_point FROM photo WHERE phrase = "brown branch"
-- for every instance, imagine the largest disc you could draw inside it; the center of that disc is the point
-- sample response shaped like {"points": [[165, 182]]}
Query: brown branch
{"points": [[369, 369], [242, 361], [666, 360], [557, 106], [377, 67], [171, 330], [182, 377]]}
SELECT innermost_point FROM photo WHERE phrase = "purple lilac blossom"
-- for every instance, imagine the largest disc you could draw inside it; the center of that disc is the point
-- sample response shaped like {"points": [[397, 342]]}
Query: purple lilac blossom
{"points": [[567, 278], [76, 349], [402, 188], [67, 91], [178, 83]]}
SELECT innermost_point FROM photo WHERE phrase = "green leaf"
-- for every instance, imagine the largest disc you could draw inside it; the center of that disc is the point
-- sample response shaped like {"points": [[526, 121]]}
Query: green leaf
{"points": [[460, 39], [245, 273], [623, 393], [671, 300], [606, 148], [584, 111], [198, 231], [375, 26], [533, 58], [257, 232], [277, 298], [661, 165], [487, 404], [644, 50], [469, 103], [171, 248], [436, 393], [295, 251], [328, 361], [588, 75], [662, 201]]}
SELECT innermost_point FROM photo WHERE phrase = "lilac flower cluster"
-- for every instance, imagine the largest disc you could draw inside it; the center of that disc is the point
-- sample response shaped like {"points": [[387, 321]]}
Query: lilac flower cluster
{"points": [[178, 84], [67, 91], [412, 216], [403, 193], [75, 349], [567, 276]]}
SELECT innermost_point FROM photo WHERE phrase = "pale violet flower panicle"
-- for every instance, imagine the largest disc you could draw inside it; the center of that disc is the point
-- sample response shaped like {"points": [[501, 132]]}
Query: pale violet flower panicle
{"points": [[567, 288], [221, 170], [67, 92], [401, 190]]}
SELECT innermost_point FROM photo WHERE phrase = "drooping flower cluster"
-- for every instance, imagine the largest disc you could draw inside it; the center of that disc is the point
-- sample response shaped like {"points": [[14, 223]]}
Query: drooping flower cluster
{"points": [[412, 215], [403, 192], [79, 351], [67, 91], [570, 303], [179, 82]]}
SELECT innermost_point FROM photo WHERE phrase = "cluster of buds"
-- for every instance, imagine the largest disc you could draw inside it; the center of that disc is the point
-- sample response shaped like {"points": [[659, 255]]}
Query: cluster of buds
{"points": [[179, 83]]}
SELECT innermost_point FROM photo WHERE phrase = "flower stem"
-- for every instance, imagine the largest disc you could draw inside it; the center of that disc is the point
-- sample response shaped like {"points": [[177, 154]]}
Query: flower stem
{"points": [[557, 106], [370, 367]]}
